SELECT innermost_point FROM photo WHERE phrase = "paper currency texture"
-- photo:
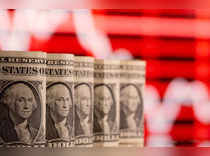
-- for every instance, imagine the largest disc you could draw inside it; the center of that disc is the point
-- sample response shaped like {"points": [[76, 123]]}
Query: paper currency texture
{"points": [[83, 93], [131, 103], [106, 103], [22, 98], [59, 101]]}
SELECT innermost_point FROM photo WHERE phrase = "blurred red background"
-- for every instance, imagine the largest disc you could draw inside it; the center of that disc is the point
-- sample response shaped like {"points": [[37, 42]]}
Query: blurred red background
{"points": [[174, 43]]}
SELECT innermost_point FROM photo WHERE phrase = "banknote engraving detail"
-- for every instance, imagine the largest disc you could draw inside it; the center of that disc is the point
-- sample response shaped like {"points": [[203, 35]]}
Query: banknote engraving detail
{"points": [[131, 111], [105, 110], [83, 109], [60, 101], [20, 104], [132, 81], [59, 112], [22, 99], [106, 103], [83, 72], [83, 115]]}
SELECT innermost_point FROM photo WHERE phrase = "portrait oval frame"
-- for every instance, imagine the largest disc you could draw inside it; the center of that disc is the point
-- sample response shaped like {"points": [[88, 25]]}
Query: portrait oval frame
{"points": [[91, 107], [139, 110], [38, 99], [71, 113], [113, 107]]}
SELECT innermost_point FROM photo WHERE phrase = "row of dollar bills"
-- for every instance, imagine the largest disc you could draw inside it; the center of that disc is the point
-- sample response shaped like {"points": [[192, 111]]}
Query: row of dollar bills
{"points": [[62, 100]]}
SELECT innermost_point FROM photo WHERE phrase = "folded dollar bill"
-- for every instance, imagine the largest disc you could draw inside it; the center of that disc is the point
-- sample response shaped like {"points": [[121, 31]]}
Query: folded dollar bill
{"points": [[59, 100], [62, 100], [22, 99], [83, 93], [132, 81], [106, 103]]}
